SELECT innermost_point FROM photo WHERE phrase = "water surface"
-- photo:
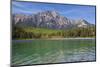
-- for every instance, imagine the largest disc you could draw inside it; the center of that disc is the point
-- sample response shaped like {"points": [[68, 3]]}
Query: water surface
{"points": [[52, 51]]}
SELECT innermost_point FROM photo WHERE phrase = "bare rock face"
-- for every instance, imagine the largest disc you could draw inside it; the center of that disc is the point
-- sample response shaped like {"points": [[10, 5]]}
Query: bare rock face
{"points": [[48, 19]]}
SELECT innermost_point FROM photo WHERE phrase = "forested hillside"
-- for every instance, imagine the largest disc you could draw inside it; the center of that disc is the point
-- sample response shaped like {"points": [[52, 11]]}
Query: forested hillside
{"points": [[28, 33]]}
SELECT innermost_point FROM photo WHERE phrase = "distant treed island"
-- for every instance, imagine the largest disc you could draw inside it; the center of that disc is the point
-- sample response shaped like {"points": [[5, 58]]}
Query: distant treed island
{"points": [[49, 24]]}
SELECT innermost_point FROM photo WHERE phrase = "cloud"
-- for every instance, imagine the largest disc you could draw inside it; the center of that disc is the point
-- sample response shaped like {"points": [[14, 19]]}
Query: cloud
{"points": [[17, 4], [22, 8]]}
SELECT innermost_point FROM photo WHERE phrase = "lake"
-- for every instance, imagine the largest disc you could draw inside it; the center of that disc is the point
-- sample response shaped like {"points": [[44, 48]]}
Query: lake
{"points": [[42, 51]]}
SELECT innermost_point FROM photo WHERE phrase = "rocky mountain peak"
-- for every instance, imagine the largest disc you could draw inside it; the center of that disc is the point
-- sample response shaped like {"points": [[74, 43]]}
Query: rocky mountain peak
{"points": [[48, 19], [48, 13], [82, 23]]}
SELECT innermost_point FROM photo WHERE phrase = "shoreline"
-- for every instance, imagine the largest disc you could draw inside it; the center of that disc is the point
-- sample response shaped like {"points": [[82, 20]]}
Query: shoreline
{"points": [[58, 38], [68, 38]]}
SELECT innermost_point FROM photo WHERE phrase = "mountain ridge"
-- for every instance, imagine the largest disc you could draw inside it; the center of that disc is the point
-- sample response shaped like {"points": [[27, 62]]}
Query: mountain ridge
{"points": [[48, 19]]}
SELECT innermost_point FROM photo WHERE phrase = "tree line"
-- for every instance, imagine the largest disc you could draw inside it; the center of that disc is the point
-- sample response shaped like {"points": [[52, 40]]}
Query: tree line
{"points": [[29, 33]]}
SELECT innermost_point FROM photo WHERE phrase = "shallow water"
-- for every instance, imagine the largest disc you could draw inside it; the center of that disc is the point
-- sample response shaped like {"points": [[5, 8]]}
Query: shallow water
{"points": [[52, 51]]}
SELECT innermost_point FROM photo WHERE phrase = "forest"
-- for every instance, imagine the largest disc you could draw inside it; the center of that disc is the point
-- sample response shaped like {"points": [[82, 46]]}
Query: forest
{"points": [[39, 33]]}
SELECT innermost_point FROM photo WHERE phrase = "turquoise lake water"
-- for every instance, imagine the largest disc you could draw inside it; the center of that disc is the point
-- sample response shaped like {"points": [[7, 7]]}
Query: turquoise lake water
{"points": [[52, 51]]}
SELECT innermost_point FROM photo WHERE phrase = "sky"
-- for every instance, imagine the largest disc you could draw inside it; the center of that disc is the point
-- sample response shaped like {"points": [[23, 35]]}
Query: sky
{"points": [[70, 11]]}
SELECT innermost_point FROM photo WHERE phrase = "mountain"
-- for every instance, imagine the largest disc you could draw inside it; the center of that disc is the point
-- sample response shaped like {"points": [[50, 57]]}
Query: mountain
{"points": [[48, 19]]}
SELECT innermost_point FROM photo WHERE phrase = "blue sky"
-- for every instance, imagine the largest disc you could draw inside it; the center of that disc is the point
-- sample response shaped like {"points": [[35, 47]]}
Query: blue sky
{"points": [[68, 10]]}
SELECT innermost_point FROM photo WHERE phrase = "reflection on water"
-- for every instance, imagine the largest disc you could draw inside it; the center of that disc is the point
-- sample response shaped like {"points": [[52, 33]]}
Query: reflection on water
{"points": [[52, 51]]}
